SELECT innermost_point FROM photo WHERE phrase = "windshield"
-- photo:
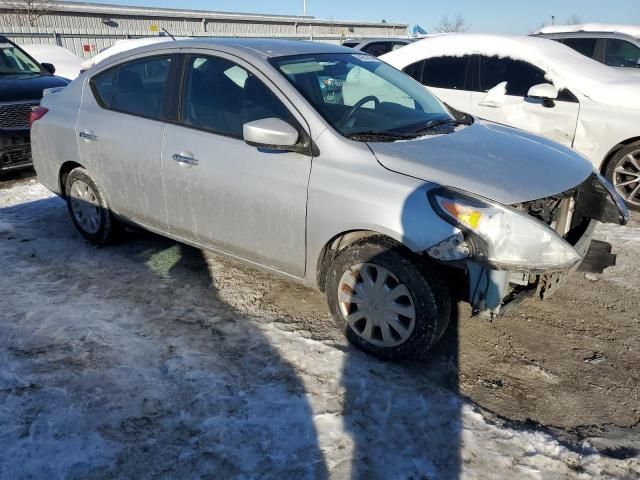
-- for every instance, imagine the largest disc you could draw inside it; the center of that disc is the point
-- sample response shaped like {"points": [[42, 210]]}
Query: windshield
{"points": [[14, 61], [361, 96]]}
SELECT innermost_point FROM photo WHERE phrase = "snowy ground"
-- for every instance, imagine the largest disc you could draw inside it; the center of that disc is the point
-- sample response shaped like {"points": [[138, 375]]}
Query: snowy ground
{"points": [[150, 359]]}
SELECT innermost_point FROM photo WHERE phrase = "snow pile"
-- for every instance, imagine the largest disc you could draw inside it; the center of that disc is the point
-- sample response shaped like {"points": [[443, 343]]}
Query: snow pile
{"points": [[631, 30], [564, 67], [626, 245], [5, 227]]}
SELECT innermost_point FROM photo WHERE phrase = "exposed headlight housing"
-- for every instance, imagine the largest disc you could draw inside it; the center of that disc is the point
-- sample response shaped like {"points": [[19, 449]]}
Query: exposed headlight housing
{"points": [[501, 236]]}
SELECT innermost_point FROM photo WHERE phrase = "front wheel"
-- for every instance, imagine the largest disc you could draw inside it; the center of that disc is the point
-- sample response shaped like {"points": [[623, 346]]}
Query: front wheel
{"points": [[389, 306], [88, 207], [624, 173]]}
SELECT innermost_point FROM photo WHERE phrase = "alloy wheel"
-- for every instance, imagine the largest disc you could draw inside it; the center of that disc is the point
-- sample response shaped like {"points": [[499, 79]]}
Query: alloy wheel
{"points": [[376, 305], [626, 177], [85, 206]]}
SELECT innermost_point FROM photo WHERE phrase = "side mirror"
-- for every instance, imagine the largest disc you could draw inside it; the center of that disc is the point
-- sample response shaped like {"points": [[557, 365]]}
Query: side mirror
{"points": [[49, 67], [545, 92], [271, 133]]}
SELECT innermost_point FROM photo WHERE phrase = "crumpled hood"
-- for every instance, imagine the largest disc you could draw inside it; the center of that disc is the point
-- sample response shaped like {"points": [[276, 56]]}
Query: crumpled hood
{"points": [[496, 162]]}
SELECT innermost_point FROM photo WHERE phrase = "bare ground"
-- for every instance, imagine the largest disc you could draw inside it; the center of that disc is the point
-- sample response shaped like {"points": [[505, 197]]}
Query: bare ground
{"points": [[566, 366]]}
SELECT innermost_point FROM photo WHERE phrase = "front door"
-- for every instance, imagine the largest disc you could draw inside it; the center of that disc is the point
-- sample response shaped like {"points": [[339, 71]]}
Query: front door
{"points": [[504, 84], [221, 192]]}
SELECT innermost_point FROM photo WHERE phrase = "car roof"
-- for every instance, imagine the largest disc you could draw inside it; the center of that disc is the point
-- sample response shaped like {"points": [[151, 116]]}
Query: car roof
{"points": [[584, 28], [257, 48]]}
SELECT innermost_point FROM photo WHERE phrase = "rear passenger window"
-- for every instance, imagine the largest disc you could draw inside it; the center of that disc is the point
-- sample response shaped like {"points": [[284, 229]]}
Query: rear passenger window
{"points": [[221, 97], [620, 53], [140, 87], [378, 48], [586, 46], [445, 72]]}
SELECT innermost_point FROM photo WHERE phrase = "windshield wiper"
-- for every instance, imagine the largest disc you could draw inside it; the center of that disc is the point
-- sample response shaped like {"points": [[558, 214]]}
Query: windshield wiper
{"points": [[434, 125], [378, 136]]}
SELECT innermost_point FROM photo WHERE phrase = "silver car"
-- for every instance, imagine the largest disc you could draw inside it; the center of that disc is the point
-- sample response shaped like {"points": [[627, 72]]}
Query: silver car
{"points": [[378, 194]]}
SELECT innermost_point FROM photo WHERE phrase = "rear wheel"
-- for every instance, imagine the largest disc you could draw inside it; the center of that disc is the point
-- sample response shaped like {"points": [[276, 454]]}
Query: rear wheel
{"points": [[388, 305], [624, 172], [88, 207]]}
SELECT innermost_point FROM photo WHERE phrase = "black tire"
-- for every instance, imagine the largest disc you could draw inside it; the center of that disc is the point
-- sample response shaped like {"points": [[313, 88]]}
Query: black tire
{"points": [[429, 295], [106, 224], [619, 160]]}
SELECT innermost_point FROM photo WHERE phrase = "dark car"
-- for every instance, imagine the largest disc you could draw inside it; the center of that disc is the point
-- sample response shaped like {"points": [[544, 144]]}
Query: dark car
{"points": [[22, 81]]}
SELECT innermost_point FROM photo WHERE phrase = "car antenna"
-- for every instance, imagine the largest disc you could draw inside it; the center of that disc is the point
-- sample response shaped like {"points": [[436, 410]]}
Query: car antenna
{"points": [[167, 32]]}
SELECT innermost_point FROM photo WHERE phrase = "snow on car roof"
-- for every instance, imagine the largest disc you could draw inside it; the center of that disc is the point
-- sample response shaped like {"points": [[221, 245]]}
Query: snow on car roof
{"points": [[631, 30], [564, 67]]}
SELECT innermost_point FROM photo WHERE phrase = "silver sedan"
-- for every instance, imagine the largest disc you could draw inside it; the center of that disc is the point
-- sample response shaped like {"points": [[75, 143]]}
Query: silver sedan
{"points": [[326, 166]]}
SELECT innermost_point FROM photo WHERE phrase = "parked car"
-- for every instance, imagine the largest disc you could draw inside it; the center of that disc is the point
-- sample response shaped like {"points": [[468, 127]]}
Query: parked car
{"points": [[617, 46], [67, 64], [378, 46], [211, 142], [540, 86], [22, 81]]}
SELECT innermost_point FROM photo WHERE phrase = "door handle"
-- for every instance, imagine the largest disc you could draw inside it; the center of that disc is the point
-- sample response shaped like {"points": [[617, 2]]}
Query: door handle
{"points": [[185, 159], [88, 135]]}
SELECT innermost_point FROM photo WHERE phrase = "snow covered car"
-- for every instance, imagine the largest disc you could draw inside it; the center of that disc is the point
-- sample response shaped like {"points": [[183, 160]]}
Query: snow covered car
{"points": [[67, 64], [540, 86], [617, 46], [379, 196]]}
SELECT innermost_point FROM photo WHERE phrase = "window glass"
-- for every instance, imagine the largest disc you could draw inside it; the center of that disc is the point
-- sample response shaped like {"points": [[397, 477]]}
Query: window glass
{"points": [[140, 86], [378, 48], [350, 44], [13, 61], [356, 93], [586, 46], [620, 53], [415, 70], [520, 76], [221, 96], [445, 72], [103, 84]]}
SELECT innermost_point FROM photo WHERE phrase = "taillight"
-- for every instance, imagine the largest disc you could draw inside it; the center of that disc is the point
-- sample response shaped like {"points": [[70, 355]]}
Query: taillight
{"points": [[36, 114]]}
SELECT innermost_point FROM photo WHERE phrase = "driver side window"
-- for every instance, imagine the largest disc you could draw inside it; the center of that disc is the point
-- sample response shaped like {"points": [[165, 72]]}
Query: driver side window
{"points": [[520, 76]]}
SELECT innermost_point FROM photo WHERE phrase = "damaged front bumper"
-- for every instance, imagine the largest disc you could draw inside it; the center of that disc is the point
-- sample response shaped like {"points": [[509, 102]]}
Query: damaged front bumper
{"points": [[573, 215]]}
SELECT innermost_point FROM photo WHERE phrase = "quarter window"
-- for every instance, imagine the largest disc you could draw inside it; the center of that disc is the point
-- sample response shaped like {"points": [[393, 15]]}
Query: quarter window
{"points": [[520, 76], [620, 53], [221, 96]]}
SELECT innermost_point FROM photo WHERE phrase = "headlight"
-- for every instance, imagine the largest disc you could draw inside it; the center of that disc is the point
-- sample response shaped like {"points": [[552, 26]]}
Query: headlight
{"points": [[502, 236]]}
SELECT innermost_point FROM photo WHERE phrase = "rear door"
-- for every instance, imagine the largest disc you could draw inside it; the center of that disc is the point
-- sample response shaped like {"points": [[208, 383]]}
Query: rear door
{"points": [[120, 128], [247, 201], [502, 98], [449, 78]]}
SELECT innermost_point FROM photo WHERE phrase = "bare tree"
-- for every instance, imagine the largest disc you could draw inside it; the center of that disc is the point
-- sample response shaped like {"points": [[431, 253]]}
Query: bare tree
{"points": [[447, 25], [28, 12], [574, 19]]}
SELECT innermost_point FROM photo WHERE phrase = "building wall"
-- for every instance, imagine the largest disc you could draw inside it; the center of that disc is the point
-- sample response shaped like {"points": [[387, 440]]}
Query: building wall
{"points": [[86, 29]]}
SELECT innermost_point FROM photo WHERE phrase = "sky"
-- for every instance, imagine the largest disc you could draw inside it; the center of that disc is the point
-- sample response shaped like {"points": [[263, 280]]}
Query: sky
{"points": [[503, 16]]}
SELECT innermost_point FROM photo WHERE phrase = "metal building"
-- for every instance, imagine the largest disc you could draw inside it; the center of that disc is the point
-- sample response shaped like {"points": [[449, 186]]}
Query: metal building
{"points": [[87, 28]]}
